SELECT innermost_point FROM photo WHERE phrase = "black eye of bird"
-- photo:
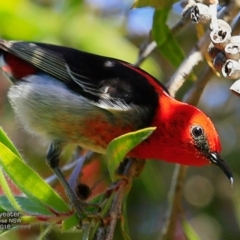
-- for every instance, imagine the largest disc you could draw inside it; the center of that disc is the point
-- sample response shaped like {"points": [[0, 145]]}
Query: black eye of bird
{"points": [[197, 131]]}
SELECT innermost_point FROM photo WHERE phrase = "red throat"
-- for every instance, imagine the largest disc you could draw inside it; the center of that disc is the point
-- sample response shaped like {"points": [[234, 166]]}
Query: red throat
{"points": [[172, 140]]}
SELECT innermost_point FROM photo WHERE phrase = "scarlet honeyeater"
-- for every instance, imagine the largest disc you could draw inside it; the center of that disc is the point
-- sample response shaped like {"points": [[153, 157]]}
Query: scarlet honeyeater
{"points": [[70, 96]]}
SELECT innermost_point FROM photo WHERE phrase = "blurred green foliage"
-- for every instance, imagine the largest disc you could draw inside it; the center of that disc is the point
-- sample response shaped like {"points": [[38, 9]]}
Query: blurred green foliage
{"points": [[211, 207]]}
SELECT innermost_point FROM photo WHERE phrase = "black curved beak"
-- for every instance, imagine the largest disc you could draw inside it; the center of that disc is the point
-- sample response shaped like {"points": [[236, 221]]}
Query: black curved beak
{"points": [[216, 159]]}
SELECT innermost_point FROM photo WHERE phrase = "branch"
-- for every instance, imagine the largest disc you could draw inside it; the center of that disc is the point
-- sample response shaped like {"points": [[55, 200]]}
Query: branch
{"points": [[116, 209], [179, 77], [194, 93], [148, 47], [128, 170], [76, 162], [197, 53], [175, 194]]}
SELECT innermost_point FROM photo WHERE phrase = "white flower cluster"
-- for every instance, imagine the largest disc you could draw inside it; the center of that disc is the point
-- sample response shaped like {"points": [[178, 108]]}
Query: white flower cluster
{"points": [[224, 48]]}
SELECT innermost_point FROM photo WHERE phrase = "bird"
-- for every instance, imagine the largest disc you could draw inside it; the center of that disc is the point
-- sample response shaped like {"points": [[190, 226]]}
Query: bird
{"points": [[65, 95]]}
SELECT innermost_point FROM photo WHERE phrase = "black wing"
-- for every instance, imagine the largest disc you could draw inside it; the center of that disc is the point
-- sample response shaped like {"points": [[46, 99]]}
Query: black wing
{"points": [[95, 77]]}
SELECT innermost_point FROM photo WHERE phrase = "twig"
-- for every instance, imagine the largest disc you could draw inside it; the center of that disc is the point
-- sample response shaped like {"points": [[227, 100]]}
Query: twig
{"points": [[100, 233], [213, 8], [130, 171], [147, 48], [175, 194], [179, 77], [78, 168], [145, 52], [52, 180], [116, 209], [194, 93], [193, 58]]}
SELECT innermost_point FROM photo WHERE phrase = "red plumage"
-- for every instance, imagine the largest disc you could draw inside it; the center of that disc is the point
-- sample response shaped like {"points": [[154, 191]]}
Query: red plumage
{"points": [[71, 96], [16, 67]]}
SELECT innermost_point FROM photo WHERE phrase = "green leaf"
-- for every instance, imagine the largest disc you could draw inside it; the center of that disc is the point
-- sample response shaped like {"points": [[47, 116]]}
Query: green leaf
{"points": [[8, 192], [120, 146], [70, 222], [8, 143], [29, 182], [166, 42], [153, 3], [27, 205], [189, 231]]}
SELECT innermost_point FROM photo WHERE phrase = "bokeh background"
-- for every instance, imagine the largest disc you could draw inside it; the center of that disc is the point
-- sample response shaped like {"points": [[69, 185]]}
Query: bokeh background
{"points": [[112, 28]]}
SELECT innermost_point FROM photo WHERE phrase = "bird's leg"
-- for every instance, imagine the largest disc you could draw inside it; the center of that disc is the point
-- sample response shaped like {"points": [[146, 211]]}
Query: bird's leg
{"points": [[53, 155]]}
